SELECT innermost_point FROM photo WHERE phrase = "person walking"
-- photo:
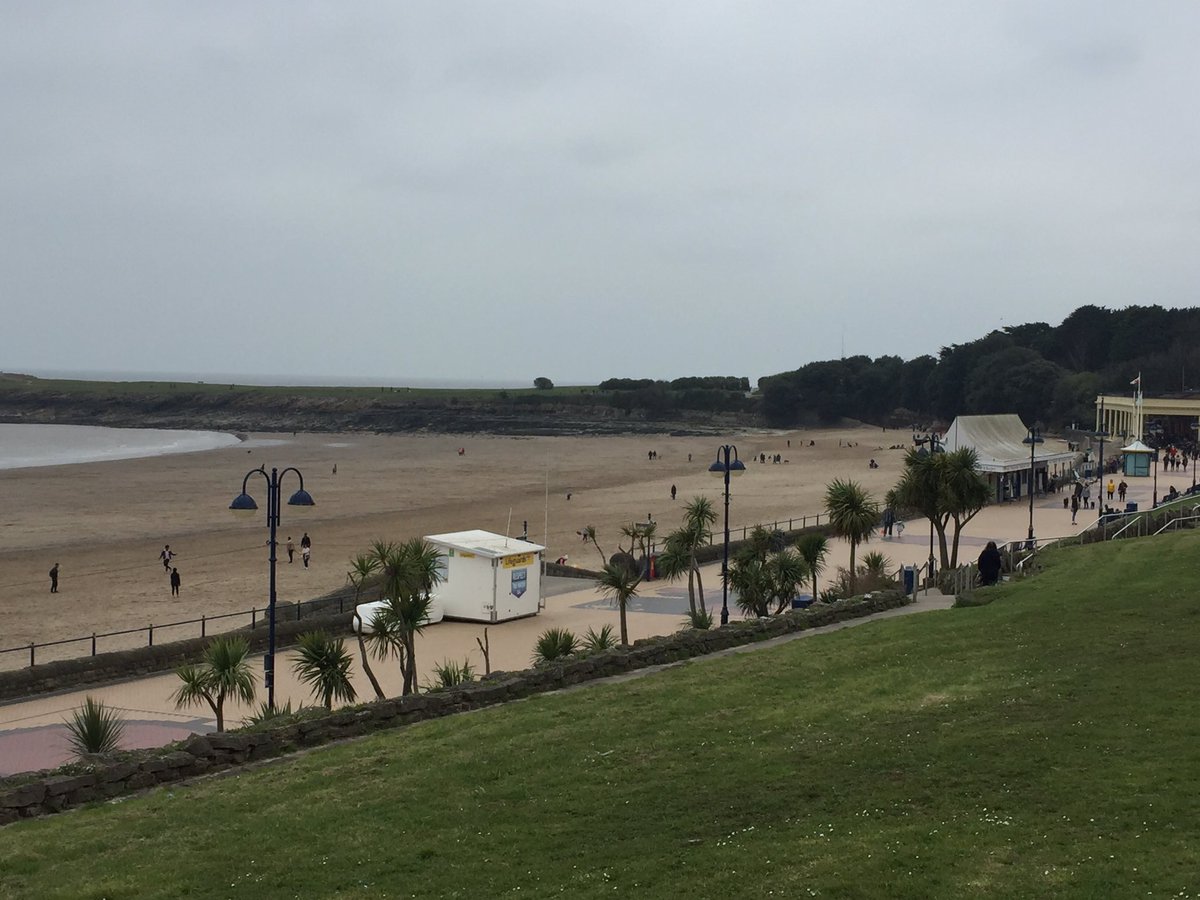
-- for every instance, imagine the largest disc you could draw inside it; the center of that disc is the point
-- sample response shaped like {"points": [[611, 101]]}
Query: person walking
{"points": [[166, 556], [54, 579], [1074, 507], [291, 548], [175, 582], [672, 492], [305, 548], [1121, 489]]}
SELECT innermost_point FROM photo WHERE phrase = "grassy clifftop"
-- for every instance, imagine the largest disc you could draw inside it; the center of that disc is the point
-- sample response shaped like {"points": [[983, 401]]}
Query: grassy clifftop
{"points": [[1039, 746]]}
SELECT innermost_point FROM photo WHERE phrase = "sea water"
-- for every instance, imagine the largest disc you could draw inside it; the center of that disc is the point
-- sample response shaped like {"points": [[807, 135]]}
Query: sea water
{"points": [[26, 446]]}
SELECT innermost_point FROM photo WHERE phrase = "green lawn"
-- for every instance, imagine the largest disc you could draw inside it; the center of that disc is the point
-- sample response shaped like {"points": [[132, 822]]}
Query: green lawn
{"points": [[1041, 746]]}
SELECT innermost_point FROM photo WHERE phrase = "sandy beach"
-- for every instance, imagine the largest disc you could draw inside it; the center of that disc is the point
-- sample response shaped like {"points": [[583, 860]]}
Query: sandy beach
{"points": [[105, 523]]}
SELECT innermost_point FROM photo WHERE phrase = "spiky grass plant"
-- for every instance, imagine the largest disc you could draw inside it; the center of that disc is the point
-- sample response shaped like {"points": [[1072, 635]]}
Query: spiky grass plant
{"points": [[554, 643], [94, 728]]}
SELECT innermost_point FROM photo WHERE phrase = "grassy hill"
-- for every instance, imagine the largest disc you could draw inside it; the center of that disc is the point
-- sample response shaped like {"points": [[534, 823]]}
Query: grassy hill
{"points": [[1041, 746]]}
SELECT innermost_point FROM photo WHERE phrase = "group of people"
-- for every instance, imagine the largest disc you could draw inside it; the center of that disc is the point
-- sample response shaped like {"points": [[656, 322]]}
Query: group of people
{"points": [[305, 548], [1119, 489], [166, 556]]}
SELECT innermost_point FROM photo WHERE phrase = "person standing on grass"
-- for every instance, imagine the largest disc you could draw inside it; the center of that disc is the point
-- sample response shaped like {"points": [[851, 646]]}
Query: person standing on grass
{"points": [[54, 579], [175, 582]]}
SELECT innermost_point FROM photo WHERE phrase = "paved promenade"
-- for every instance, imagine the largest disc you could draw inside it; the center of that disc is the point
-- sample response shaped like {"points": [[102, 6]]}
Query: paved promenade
{"points": [[32, 735]]}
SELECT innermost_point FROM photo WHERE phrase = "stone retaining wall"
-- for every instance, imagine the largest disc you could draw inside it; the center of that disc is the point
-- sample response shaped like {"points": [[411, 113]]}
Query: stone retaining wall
{"points": [[36, 794]]}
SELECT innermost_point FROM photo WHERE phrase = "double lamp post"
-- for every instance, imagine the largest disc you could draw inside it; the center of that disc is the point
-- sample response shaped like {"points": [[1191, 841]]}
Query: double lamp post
{"points": [[244, 503], [727, 464]]}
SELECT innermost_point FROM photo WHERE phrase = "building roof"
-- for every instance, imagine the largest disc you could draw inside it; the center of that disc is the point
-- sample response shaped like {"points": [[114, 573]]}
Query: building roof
{"points": [[1137, 447], [999, 441], [484, 543]]}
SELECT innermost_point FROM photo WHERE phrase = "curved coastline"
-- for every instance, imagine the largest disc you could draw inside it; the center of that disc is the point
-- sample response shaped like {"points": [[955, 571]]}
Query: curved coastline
{"points": [[27, 446]]}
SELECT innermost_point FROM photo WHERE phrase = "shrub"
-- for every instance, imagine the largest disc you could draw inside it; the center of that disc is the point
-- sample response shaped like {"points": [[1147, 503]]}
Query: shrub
{"points": [[700, 619], [604, 639], [94, 728], [450, 672], [554, 643]]}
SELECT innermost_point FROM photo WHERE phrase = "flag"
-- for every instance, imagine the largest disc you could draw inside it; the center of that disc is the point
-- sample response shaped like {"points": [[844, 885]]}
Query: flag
{"points": [[1137, 381]]}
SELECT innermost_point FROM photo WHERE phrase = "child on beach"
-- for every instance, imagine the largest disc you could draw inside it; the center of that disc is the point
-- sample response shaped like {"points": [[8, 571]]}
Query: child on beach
{"points": [[166, 557]]}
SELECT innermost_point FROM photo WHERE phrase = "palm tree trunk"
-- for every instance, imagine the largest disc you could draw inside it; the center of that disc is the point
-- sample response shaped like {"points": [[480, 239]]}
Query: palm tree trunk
{"points": [[814, 593], [699, 583], [692, 591], [362, 650], [853, 573], [624, 629], [219, 709]]}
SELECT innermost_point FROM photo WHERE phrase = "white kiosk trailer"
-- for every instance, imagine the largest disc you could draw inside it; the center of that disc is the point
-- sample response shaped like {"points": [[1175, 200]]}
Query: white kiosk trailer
{"points": [[489, 577]]}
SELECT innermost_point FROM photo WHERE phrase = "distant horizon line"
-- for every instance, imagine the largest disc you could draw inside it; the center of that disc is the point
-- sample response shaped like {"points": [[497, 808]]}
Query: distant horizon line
{"points": [[289, 380]]}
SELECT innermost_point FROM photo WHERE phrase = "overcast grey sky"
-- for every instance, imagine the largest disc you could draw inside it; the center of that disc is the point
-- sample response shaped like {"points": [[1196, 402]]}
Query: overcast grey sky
{"points": [[498, 191]]}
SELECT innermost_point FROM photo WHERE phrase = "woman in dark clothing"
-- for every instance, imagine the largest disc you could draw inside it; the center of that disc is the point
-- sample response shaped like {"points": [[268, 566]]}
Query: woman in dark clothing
{"points": [[989, 564]]}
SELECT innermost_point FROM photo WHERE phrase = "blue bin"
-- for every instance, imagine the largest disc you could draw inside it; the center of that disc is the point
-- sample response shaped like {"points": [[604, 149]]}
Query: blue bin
{"points": [[910, 579], [1130, 507], [801, 601]]}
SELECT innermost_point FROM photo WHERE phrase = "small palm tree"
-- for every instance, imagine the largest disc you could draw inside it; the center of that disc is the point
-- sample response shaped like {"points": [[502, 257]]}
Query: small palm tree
{"points": [[604, 639], [619, 583], [94, 728], [449, 673], [853, 513], [750, 580], [554, 643], [787, 572], [589, 534], [362, 568], [813, 548], [267, 713], [323, 663], [409, 573], [700, 620], [224, 673]]}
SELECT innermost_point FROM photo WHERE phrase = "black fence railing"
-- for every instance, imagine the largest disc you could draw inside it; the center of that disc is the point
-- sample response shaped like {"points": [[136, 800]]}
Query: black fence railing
{"points": [[257, 618]]}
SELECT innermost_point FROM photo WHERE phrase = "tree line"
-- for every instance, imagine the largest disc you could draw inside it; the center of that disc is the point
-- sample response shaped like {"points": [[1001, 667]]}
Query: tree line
{"points": [[1041, 372]]}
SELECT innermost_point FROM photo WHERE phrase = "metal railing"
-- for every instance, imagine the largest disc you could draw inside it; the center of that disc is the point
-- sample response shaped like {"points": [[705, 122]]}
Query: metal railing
{"points": [[792, 524], [257, 618]]}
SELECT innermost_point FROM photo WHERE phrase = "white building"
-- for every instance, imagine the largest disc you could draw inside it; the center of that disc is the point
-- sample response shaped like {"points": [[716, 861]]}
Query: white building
{"points": [[488, 577], [1004, 457]]}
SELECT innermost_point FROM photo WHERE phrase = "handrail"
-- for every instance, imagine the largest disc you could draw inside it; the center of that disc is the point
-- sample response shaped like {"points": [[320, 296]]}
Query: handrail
{"points": [[255, 614]]}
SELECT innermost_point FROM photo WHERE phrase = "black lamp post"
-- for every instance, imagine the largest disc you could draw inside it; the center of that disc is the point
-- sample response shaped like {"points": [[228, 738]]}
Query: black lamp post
{"points": [[243, 502], [1034, 438], [935, 446], [1101, 434], [727, 464]]}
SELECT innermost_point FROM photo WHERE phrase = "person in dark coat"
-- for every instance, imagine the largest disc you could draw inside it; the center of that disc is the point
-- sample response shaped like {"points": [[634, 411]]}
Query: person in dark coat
{"points": [[990, 564], [54, 579], [175, 582]]}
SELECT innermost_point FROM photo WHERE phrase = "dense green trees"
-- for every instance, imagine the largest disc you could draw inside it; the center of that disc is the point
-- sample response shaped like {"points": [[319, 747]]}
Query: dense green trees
{"points": [[1041, 372], [944, 488]]}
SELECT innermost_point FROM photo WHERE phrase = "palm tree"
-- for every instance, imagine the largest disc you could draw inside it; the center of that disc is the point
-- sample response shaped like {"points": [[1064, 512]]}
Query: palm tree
{"points": [[589, 534], [813, 548], [944, 487], [323, 663], [852, 515], [409, 572], [223, 673], [620, 585], [787, 571], [362, 568], [94, 728], [750, 580], [683, 545]]}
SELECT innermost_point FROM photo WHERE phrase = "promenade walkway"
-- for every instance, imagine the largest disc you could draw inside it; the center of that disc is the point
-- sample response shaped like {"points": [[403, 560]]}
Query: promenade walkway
{"points": [[32, 735]]}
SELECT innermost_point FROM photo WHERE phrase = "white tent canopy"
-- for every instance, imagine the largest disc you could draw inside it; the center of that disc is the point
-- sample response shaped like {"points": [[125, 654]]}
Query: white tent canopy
{"points": [[999, 441]]}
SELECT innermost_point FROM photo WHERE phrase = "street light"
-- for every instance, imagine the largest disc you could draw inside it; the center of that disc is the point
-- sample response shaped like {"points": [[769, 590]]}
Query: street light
{"points": [[243, 502], [727, 464], [1032, 440], [935, 446]]}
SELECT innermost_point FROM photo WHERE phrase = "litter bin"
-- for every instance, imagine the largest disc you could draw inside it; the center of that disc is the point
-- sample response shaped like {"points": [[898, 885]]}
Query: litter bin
{"points": [[910, 579], [801, 601], [1130, 507]]}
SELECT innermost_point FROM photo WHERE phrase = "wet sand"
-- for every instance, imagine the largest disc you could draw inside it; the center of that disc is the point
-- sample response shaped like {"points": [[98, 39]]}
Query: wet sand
{"points": [[105, 523]]}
